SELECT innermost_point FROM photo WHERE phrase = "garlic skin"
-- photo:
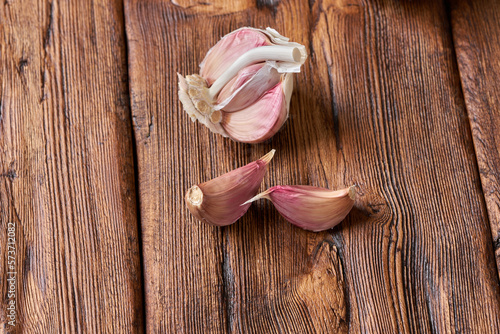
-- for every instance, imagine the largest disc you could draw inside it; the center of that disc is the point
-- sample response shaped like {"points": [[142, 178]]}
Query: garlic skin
{"points": [[220, 201], [245, 84], [250, 126], [311, 208]]}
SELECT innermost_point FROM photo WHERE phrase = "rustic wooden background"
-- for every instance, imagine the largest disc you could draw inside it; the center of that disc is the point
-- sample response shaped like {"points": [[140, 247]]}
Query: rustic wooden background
{"points": [[398, 97]]}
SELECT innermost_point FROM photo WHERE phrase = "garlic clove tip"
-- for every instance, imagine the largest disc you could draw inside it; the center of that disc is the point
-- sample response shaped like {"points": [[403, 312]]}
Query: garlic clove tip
{"points": [[267, 158], [259, 196]]}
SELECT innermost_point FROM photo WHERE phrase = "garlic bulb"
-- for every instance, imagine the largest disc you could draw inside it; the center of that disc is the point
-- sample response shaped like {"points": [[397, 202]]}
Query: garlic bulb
{"points": [[311, 208], [220, 200], [245, 84]]}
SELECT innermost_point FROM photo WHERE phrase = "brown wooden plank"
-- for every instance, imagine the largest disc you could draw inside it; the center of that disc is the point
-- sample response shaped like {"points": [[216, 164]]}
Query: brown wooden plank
{"points": [[182, 260], [476, 35], [379, 105], [416, 252], [66, 165], [422, 224]]}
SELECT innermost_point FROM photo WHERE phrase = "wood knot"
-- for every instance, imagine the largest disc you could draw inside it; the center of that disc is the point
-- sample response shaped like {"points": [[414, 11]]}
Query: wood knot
{"points": [[23, 62], [11, 175], [322, 289]]}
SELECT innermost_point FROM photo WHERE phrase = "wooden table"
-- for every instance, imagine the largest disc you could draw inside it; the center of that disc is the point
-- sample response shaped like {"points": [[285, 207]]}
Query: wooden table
{"points": [[399, 98]]}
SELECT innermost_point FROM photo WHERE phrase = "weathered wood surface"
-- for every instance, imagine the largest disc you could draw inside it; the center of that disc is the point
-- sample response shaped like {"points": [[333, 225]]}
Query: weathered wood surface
{"points": [[183, 261], [66, 165], [379, 104], [476, 34]]}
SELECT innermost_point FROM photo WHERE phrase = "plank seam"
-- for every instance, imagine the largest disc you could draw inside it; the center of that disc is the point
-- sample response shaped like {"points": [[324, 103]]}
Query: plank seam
{"points": [[136, 172]]}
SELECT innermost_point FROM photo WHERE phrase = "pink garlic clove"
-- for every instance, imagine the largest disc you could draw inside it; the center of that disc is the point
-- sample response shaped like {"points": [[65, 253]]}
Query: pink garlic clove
{"points": [[220, 200], [311, 208], [261, 120], [247, 87]]}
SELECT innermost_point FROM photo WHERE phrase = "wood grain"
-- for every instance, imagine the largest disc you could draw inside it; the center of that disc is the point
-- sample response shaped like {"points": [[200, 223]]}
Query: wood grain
{"points": [[66, 165], [379, 104], [416, 252], [182, 260], [476, 35]]}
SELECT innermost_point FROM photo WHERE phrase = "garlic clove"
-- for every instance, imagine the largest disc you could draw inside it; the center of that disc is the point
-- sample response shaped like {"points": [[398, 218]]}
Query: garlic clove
{"points": [[228, 49], [247, 87], [236, 83], [311, 208], [220, 200], [261, 120]]}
